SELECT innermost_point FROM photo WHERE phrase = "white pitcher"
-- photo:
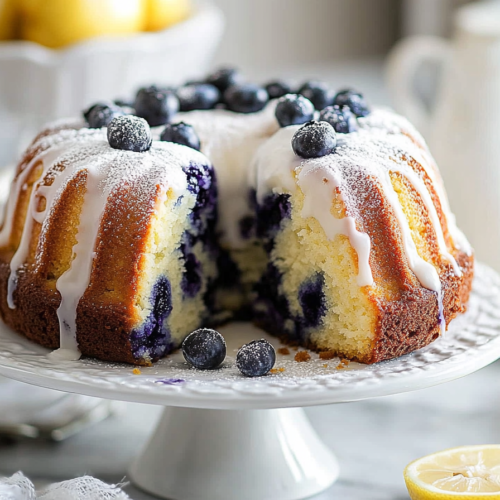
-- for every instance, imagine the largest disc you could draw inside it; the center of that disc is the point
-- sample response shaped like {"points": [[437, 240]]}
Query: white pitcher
{"points": [[463, 128]]}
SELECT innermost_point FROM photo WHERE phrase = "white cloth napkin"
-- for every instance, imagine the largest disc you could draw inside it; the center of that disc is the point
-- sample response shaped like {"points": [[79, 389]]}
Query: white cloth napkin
{"points": [[44, 409], [19, 487]]}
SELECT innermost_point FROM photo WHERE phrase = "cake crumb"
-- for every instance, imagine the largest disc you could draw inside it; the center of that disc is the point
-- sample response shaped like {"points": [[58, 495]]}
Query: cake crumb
{"points": [[302, 356], [344, 363], [284, 350], [136, 371], [326, 355], [277, 370]]}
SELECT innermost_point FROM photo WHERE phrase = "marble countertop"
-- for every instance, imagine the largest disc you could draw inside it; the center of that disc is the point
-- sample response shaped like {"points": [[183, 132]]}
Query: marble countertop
{"points": [[374, 440]]}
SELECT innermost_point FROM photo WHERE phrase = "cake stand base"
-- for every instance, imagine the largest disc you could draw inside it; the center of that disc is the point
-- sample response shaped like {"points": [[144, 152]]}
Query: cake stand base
{"points": [[227, 454]]}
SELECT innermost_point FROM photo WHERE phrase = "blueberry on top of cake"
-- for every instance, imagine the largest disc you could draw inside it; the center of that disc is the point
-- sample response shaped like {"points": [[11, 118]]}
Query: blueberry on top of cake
{"points": [[319, 93], [100, 114], [294, 109], [342, 119], [156, 105], [328, 227]]}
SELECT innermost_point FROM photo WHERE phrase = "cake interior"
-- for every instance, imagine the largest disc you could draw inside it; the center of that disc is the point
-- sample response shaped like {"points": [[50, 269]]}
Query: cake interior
{"points": [[309, 294], [285, 271], [178, 267]]}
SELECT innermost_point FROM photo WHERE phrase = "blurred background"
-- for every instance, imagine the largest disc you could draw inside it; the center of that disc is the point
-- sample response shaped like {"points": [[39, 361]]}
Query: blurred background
{"points": [[268, 35], [435, 61], [425, 58], [58, 56]]}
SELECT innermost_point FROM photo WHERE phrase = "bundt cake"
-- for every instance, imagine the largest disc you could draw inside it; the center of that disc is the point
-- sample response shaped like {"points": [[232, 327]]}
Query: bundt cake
{"points": [[118, 240]]}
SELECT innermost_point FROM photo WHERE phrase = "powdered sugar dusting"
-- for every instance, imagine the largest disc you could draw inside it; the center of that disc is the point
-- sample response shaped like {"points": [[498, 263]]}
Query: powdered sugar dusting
{"points": [[383, 144], [230, 140], [106, 169], [472, 342], [248, 151]]}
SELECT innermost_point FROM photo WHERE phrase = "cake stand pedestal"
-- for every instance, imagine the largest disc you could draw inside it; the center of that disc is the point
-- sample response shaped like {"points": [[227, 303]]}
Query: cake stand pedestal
{"points": [[224, 437], [234, 454]]}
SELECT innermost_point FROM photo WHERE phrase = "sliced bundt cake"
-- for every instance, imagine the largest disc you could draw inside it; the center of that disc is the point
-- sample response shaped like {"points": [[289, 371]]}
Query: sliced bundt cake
{"points": [[333, 234]]}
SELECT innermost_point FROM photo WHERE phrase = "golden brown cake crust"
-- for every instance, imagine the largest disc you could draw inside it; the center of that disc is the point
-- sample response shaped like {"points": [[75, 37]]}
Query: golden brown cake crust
{"points": [[103, 331], [412, 322], [407, 313], [105, 314], [104, 326]]}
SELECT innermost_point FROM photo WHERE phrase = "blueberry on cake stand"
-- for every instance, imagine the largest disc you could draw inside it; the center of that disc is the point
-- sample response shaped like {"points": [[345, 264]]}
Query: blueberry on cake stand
{"points": [[223, 436]]}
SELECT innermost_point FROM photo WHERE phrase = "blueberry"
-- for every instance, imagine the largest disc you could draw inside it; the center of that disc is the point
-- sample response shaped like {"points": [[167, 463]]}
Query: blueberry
{"points": [[276, 307], [225, 78], [130, 133], [341, 119], [277, 89], [354, 100], [124, 103], [312, 300], [199, 96], [314, 139], [318, 93], [246, 98], [205, 349], [294, 109], [156, 105], [152, 339], [270, 214], [99, 115], [256, 358], [181, 133], [192, 277]]}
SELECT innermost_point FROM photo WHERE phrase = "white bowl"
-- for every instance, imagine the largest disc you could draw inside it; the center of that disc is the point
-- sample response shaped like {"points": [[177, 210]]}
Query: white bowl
{"points": [[38, 84]]}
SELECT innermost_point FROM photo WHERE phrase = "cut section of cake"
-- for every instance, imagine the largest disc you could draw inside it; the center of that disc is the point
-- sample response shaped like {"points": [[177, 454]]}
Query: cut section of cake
{"points": [[364, 258], [108, 252], [333, 234]]}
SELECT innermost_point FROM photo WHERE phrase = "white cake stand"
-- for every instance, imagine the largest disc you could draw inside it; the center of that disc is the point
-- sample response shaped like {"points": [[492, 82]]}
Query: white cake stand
{"points": [[264, 447]]}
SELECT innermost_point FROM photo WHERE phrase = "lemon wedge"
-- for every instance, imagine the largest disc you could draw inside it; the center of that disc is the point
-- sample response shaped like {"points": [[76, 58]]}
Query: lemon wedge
{"points": [[465, 473]]}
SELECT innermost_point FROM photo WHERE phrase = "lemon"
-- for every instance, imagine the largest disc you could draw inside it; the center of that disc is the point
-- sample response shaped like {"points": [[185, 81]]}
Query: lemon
{"points": [[465, 473], [8, 19], [161, 14], [57, 23]]}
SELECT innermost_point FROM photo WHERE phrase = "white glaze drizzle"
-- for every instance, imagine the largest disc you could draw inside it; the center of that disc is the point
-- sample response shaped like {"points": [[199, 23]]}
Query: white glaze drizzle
{"points": [[45, 151], [74, 281], [273, 163], [106, 169], [425, 272], [318, 186], [378, 149], [17, 185], [230, 140], [46, 157], [273, 170], [393, 124]]}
